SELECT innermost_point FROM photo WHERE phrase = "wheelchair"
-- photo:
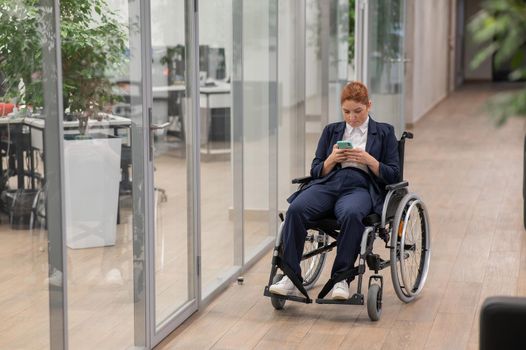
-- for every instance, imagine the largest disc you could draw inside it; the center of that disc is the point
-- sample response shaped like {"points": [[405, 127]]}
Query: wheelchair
{"points": [[404, 228]]}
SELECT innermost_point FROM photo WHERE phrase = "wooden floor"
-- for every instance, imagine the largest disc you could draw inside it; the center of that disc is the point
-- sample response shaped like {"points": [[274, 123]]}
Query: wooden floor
{"points": [[470, 176]]}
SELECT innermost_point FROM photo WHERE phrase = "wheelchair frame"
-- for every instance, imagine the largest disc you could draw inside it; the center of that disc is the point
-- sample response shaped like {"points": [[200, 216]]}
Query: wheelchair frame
{"points": [[391, 227]]}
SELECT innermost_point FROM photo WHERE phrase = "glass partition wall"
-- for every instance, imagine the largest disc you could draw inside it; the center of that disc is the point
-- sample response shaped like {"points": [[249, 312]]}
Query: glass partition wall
{"points": [[150, 172], [384, 62], [259, 131], [218, 233], [169, 76], [27, 93], [316, 47], [292, 157], [326, 57], [103, 103]]}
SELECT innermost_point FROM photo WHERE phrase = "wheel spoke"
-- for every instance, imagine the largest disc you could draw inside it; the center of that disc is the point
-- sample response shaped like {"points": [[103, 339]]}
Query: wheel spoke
{"points": [[311, 267]]}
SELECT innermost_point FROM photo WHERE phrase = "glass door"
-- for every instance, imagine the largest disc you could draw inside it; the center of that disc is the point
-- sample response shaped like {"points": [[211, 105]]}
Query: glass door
{"points": [[384, 60], [128, 160], [172, 163], [104, 172]]}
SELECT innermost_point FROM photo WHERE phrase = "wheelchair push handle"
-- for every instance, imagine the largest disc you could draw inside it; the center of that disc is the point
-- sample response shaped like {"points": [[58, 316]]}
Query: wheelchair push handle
{"points": [[406, 135], [301, 180]]}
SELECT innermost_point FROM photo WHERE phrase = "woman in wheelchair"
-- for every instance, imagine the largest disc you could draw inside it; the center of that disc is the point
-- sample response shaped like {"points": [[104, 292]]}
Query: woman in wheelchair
{"points": [[354, 162], [346, 183]]}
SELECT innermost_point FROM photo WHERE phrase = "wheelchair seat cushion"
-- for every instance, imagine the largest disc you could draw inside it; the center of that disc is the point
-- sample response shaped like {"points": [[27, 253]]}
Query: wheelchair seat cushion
{"points": [[372, 219], [330, 224]]}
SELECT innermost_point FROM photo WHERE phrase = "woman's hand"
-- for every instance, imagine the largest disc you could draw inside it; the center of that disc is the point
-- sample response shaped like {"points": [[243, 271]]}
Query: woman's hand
{"points": [[358, 155], [337, 156]]}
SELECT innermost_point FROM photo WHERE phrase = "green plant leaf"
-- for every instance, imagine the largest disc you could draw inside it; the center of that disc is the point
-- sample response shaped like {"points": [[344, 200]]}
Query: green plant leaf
{"points": [[500, 27]]}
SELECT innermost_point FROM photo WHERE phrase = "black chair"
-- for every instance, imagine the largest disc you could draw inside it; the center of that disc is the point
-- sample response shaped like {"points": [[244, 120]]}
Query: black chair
{"points": [[502, 323]]}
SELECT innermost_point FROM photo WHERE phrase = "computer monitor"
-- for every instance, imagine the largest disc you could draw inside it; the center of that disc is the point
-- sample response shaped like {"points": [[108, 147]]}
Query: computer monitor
{"points": [[212, 61]]}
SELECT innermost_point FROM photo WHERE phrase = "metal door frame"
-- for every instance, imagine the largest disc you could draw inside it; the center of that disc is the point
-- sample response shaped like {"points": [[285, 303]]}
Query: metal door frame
{"points": [[154, 335]]}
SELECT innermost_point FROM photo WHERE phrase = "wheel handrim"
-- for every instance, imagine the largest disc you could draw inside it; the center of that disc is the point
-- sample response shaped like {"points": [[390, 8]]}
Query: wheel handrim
{"points": [[413, 246], [402, 248], [309, 266]]}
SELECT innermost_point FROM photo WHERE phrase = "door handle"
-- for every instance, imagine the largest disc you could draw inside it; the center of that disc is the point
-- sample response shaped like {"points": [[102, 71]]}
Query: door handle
{"points": [[159, 126], [152, 128], [398, 60]]}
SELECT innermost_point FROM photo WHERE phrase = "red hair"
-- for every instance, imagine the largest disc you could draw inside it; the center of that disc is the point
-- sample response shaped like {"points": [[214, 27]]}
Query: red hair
{"points": [[355, 91]]}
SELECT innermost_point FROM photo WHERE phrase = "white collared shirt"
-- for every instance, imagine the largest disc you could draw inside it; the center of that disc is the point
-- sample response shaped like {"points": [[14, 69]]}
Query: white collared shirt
{"points": [[358, 138]]}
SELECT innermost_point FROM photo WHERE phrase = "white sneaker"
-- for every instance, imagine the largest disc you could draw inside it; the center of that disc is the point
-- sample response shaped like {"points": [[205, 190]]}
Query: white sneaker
{"points": [[340, 291], [283, 287]]}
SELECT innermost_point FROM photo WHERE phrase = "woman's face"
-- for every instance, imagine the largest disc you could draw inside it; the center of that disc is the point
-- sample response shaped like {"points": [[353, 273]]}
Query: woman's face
{"points": [[355, 113]]}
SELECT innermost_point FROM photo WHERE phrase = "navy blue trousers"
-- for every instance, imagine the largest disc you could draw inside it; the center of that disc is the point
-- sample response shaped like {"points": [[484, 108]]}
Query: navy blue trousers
{"points": [[347, 197]]}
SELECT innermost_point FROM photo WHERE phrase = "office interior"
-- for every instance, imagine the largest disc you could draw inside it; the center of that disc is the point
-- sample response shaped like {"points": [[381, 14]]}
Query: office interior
{"points": [[113, 239]]}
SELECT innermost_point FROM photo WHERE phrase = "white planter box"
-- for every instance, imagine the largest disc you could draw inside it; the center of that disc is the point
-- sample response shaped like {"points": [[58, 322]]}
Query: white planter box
{"points": [[92, 175]]}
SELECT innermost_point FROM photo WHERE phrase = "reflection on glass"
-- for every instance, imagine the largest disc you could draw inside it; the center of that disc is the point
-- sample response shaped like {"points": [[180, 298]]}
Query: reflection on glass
{"points": [[96, 54], [341, 55], [386, 60], [24, 295], [170, 166], [350, 7], [256, 118], [313, 78], [290, 155], [215, 67]]}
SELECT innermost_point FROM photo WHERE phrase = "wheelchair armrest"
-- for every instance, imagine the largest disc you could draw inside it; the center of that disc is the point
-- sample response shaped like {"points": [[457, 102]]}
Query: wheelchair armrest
{"points": [[392, 191], [397, 186], [301, 180]]}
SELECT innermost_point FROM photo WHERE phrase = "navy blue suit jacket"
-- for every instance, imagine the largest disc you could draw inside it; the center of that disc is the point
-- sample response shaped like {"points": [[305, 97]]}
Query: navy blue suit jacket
{"points": [[381, 144]]}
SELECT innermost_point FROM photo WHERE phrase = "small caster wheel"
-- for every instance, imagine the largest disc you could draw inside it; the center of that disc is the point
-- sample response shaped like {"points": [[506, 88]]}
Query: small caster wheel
{"points": [[374, 302], [277, 302], [240, 280]]}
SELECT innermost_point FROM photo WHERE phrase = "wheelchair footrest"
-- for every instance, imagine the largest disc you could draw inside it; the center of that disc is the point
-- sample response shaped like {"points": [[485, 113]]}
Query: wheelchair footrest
{"points": [[356, 299], [296, 298], [376, 263]]}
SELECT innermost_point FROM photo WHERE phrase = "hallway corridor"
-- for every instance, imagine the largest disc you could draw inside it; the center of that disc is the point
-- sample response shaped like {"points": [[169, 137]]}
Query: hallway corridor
{"points": [[469, 174]]}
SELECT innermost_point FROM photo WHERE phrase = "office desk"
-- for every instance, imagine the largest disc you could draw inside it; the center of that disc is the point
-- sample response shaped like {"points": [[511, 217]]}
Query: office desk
{"points": [[35, 128], [214, 97], [92, 166], [211, 97], [37, 125]]}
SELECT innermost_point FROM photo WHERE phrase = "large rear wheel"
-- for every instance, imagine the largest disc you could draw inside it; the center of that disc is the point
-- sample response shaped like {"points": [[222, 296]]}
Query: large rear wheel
{"points": [[411, 247], [312, 267]]}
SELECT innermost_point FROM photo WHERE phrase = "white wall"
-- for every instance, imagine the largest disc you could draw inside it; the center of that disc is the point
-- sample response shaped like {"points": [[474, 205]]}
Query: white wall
{"points": [[430, 57]]}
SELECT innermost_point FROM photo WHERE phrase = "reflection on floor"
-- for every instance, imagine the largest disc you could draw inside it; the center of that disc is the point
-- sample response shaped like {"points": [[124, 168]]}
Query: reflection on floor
{"points": [[24, 305], [470, 176], [100, 280]]}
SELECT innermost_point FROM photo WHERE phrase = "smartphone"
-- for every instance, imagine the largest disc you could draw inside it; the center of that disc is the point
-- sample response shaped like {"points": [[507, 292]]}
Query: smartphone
{"points": [[344, 144]]}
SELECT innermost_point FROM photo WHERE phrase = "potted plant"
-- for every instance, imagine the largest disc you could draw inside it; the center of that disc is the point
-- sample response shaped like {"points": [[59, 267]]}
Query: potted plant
{"points": [[93, 48], [93, 45], [501, 27]]}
